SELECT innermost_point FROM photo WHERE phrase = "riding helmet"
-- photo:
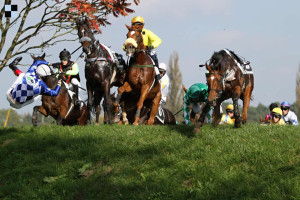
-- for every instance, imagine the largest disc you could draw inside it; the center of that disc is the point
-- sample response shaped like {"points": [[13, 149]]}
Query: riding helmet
{"points": [[285, 105], [162, 67], [43, 70], [277, 112], [137, 19], [229, 108], [64, 54]]}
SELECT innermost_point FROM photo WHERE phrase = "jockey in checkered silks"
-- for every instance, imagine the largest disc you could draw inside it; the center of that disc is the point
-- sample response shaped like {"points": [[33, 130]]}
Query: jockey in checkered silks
{"points": [[29, 86], [69, 72]]}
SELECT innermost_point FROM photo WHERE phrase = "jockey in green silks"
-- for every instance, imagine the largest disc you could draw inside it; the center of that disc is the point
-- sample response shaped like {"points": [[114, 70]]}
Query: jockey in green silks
{"points": [[196, 93]]}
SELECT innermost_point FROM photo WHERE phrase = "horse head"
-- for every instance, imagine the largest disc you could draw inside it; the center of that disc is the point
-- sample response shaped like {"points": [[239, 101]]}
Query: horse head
{"points": [[134, 40], [86, 36], [214, 82], [51, 79]]}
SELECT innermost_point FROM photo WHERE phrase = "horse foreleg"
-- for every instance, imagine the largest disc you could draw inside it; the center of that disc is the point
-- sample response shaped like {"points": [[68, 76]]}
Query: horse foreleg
{"points": [[125, 88], [89, 102], [235, 97], [42, 110], [200, 122], [154, 108], [144, 93], [216, 114], [124, 118], [97, 98], [108, 102]]}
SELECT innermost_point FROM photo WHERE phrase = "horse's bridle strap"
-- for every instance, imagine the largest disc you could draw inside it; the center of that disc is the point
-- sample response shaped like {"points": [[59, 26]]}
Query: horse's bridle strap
{"points": [[143, 66]]}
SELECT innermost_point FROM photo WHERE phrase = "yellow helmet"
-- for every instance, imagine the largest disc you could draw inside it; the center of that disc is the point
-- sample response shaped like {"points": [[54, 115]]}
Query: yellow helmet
{"points": [[230, 107], [277, 111], [137, 19]]}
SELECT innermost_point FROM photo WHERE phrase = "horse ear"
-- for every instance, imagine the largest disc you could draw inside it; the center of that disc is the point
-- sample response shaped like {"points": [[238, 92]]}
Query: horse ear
{"points": [[208, 67], [43, 56], [32, 56], [128, 27], [184, 88]]}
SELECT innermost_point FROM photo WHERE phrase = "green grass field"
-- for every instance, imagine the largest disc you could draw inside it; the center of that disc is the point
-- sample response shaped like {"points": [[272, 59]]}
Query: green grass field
{"points": [[158, 162]]}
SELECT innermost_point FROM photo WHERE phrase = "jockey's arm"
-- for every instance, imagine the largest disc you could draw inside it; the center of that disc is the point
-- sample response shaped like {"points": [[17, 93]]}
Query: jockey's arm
{"points": [[48, 91], [155, 40], [186, 110], [74, 70]]}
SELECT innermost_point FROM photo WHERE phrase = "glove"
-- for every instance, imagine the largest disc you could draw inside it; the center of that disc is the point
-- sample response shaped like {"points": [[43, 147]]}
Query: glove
{"points": [[59, 83], [55, 65], [150, 48]]}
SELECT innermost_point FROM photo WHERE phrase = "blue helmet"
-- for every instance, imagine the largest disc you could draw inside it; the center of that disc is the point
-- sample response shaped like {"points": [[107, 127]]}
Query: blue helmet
{"points": [[285, 104]]}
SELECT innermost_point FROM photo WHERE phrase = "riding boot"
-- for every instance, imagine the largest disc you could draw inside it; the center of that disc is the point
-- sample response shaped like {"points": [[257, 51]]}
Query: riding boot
{"points": [[13, 64], [76, 100]]}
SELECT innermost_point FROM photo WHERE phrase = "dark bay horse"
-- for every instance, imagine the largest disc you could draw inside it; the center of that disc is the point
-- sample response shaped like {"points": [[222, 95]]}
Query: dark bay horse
{"points": [[141, 76], [59, 107], [228, 77], [100, 71]]}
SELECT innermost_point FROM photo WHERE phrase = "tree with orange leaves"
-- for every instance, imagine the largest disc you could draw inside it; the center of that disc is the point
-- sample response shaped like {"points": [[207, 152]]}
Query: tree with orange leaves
{"points": [[50, 26]]}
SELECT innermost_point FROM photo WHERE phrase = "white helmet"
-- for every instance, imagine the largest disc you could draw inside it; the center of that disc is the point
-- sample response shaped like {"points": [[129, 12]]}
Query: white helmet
{"points": [[162, 67], [43, 70]]}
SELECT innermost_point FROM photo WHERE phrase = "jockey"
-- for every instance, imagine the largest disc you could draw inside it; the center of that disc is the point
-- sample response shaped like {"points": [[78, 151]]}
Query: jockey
{"points": [[288, 116], [70, 74], [277, 117], [164, 83], [269, 116], [196, 93], [28, 86], [150, 40], [228, 118]]}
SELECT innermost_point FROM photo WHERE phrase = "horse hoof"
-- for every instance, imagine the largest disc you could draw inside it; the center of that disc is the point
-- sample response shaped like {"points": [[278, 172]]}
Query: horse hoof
{"points": [[135, 124], [196, 130], [126, 122], [97, 124]]}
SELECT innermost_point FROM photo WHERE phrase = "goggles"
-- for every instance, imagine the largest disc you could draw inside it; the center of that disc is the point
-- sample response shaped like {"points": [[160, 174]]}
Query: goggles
{"points": [[284, 108], [276, 115], [229, 111], [64, 58]]}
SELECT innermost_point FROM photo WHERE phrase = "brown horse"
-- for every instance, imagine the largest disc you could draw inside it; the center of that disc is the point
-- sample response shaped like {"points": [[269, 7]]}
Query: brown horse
{"points": [[101, 72], [228, 77], [141, 76], [59, 107]]}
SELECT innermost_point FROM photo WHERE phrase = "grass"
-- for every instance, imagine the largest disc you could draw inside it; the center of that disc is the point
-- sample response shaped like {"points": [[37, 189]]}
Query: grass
{"points": [[158, 162]]}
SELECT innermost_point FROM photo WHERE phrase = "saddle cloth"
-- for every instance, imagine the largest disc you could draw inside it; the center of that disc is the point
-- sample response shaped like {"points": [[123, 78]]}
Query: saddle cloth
{"points": [[160, 115], [242, 64]]}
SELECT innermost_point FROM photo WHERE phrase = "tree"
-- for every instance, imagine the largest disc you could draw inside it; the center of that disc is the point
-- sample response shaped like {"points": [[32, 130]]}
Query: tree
{"points": [[175, 96], [297, 104], [55, 20]]}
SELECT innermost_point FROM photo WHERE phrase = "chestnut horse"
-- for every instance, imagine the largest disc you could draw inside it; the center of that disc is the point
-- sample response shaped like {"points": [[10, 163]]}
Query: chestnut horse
{"points": [[141, 76], [228, 77], [59, 107], [101, 72]]}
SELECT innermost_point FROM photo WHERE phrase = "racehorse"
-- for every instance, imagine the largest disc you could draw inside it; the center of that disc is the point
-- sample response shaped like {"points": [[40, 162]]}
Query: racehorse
{"points": [[60, 107], [100, 71], [141, 76], [229, 76], [129, 107]]}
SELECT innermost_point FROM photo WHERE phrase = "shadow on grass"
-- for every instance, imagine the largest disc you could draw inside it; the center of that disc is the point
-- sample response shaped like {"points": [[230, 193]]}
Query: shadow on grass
{"points": [[183, 130]]}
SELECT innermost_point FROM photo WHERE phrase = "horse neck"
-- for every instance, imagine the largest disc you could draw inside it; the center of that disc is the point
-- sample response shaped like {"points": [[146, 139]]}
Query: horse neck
{"points": [[142, 58], [51, 81], [98, 51]]}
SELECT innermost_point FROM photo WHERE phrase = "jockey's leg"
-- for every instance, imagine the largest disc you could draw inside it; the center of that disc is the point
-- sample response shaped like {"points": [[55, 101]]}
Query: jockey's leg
{"points": [[13, 66], [153, 55], [74, 87]]}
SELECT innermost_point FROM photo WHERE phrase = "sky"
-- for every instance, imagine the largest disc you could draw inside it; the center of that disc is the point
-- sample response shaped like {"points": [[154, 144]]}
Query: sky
{"points": [[266, 33]]}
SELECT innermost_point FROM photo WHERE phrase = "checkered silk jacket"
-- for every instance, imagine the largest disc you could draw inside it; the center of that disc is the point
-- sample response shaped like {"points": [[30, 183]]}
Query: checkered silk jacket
{"points": [[31, 85]]}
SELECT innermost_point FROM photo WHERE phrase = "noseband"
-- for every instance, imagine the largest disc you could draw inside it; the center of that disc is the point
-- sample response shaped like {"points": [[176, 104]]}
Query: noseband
{"points": [[219, 82]]}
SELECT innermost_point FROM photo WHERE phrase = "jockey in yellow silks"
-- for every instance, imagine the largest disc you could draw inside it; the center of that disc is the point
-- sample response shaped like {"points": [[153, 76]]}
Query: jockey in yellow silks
{"points": [[150, 40]]}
